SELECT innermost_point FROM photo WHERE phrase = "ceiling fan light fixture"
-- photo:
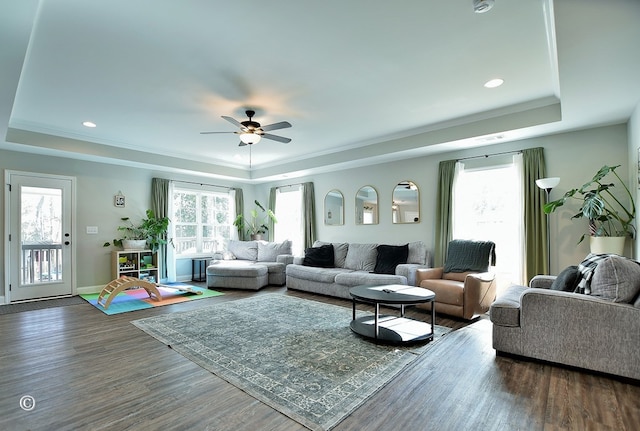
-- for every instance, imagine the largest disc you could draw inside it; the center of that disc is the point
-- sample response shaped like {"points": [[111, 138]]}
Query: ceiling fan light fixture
{"points": [[250, 138], [482, 6]]}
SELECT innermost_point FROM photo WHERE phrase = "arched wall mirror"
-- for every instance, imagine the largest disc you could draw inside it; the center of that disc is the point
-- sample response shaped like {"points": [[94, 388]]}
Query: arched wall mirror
{"points": [[334, 208], [405, 204], [367, 205]]}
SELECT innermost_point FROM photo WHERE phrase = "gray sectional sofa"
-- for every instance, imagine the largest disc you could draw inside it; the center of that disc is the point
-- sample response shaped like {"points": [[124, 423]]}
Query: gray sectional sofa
{"points": [[354, 264], [250, 265], [548, 321]]}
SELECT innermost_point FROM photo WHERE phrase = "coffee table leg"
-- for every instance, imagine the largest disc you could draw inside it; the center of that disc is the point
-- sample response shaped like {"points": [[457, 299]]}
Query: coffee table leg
{"points": [[376, 319], [433, 319], [354, 309]]}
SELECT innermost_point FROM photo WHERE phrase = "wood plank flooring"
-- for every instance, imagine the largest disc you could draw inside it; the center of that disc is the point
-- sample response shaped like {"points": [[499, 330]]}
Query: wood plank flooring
{"points": [[90, 371]]}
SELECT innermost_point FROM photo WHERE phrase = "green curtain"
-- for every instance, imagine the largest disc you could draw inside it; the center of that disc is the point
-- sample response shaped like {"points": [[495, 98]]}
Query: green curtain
{"points": [[160, 207], [309, 214], [535, 221], [272, 206], [444, 214], [239, 201]]}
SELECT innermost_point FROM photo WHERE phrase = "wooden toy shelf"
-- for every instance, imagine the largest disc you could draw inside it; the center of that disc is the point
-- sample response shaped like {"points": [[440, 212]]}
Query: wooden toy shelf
{"points": [[141, 264]]}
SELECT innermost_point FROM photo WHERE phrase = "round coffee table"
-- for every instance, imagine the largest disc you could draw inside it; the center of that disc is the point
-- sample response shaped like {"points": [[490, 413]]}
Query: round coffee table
{"points": [[387, 328]]}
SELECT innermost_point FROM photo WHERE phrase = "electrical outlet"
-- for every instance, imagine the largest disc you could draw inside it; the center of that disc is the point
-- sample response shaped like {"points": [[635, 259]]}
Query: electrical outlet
{"points": [[92, 230]]}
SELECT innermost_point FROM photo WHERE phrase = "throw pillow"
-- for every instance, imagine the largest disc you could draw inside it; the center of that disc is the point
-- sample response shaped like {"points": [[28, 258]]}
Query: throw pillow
{"points": [[417, 253], [227, 255], [616, 279], [361, 257], [269, 251], [390, 256], [339, 252], [246, 250], [321, 257], [567, 280]]}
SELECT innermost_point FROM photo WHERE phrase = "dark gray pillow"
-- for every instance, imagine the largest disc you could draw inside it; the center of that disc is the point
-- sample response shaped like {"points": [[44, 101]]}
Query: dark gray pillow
{"points": [[390, 256], [321, 257], [617, 279], [567, 280]]}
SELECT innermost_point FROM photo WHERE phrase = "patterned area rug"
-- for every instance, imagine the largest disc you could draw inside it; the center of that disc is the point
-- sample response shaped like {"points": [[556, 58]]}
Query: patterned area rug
{"points": [[296, 355]]}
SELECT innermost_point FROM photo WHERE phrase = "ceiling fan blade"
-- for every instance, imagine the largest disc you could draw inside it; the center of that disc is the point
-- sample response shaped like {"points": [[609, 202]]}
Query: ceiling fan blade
{"points": [[276, 138], [209, 133], [276, 126], [233, 121]]}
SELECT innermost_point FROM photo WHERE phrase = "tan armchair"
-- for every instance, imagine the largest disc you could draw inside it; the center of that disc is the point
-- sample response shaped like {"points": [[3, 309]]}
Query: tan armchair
{"points": [[459, 292]]}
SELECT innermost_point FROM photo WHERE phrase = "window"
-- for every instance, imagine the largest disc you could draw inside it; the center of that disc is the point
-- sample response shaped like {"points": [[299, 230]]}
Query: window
{"points": [[487, 205], [289, 214], [202, 221]]}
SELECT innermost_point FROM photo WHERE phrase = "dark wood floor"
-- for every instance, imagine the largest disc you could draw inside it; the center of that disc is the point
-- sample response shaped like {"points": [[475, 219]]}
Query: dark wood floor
{"points": [[87, 370]]}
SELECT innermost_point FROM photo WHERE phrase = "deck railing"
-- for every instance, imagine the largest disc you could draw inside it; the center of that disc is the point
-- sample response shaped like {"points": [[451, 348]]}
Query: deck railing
{"points": [[41, 262], [188, 246]]}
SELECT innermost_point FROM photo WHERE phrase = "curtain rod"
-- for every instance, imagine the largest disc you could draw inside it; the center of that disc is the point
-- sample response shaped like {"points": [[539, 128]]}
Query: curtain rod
{"points": [[490, 155], [202, 184], [289, 185]]}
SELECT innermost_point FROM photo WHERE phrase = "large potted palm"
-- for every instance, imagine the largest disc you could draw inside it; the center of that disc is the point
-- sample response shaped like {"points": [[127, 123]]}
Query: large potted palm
{"points": [[610, 216]]}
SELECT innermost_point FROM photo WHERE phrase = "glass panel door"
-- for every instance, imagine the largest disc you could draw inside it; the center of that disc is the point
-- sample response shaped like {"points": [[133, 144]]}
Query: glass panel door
{"points": [[40, 242]]}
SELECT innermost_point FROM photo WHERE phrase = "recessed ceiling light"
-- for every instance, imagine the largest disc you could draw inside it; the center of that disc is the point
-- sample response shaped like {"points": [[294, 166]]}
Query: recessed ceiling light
{"points": [[494, 83], [88, 124]]}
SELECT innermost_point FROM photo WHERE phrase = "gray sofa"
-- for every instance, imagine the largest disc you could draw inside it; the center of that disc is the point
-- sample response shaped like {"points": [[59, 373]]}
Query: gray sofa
{"points": [[599, 331], [353, 265], [250, 265]]}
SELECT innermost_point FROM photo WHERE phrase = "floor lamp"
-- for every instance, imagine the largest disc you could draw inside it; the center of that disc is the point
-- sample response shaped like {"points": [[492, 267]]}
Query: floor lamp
{"points": [[547, 184]]}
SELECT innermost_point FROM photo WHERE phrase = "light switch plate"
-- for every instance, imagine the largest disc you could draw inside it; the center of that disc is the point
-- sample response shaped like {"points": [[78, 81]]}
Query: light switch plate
{"points": [[92, 230]]}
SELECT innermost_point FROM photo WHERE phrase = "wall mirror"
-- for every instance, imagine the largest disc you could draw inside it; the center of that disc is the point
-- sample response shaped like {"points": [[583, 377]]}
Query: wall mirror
{"points": [[334, 208], [367, 205], [405, 204]]}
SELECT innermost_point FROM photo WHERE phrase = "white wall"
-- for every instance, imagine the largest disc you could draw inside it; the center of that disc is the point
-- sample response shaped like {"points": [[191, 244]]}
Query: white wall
{"points": [[97, 184], [634, 164], [574, 157]]}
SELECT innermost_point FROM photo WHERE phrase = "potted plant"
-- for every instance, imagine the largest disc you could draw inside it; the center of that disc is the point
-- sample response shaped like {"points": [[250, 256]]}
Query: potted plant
{"points": [[608, 214], [150, 232], [256, 225]]}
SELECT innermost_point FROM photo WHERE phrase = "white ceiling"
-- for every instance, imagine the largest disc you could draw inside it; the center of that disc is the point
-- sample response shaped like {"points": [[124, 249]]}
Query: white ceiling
{"points": [[361, 81]]}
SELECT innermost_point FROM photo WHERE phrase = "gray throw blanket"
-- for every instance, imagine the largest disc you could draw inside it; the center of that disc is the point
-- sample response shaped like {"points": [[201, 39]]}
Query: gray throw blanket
{"points": [[466, 255]]}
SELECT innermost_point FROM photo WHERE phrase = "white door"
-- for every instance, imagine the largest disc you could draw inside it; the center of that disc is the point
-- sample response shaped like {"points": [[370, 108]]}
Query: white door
{"points": [[40, 215]]}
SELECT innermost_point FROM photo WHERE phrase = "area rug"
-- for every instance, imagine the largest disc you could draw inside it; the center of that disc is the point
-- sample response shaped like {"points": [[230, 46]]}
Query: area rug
{"points": [[138, 299], [295, 355]]}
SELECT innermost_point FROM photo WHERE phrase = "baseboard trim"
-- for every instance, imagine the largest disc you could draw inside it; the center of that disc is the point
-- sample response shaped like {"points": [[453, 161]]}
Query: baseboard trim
{"points": [[89, 289]]}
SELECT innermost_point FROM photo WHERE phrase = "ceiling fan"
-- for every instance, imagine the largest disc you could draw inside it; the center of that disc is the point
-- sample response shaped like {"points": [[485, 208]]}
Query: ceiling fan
{"points": [[251, 131]]}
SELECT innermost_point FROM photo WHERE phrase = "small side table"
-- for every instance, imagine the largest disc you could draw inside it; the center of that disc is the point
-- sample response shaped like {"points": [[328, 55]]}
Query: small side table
{"points": [[199, 269]]}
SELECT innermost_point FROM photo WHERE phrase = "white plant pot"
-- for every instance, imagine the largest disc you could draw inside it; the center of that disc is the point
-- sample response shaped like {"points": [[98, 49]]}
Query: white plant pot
{"points": [[607, 244], [134, 244]]}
